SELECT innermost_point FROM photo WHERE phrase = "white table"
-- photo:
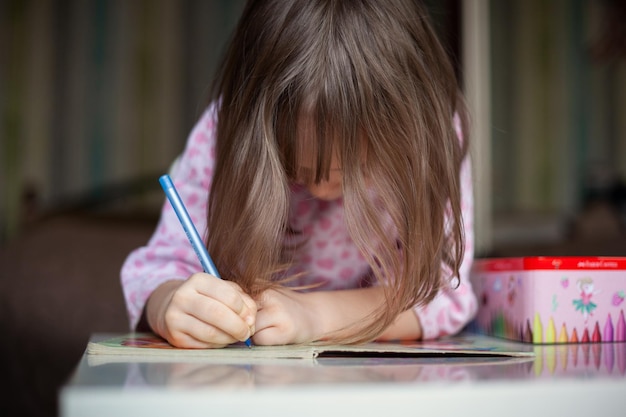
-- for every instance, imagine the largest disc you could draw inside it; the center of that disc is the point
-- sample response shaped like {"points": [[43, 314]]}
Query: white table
{"points": [[567, 380]]}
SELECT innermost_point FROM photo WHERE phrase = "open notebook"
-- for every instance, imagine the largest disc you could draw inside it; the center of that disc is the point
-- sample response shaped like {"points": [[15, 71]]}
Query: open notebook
{"points": [[464, 345]]}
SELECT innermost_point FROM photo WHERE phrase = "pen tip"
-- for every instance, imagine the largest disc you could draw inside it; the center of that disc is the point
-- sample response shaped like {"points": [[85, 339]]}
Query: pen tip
{"points": [[248, 343]]}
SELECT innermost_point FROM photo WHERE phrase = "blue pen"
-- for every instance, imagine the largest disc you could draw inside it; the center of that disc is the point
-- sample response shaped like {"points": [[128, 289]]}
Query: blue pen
{"points": [[192, 234]]}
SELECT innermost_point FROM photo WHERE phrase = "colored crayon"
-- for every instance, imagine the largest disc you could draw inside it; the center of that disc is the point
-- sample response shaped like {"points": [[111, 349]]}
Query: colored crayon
{"points": [[608, 330], [528, 335], [585, 338], [190, 229], [563, 334], [550, 332], [595, 338], [537, 330], [620, 328]]}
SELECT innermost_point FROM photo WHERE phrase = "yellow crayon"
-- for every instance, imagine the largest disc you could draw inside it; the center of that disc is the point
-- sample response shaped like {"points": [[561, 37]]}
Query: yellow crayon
{"points": [[550, 332], [537, 330]]}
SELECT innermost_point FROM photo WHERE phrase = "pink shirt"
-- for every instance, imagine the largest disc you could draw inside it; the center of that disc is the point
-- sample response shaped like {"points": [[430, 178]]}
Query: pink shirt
{"points": [[329, 257]]}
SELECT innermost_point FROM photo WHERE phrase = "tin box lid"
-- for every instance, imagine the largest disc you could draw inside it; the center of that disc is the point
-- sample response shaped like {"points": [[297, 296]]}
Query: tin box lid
{"points": [[550, 263]]}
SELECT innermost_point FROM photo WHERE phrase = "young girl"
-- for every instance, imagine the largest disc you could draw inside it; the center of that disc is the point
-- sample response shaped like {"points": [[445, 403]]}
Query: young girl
{"points": [[331, 178]]}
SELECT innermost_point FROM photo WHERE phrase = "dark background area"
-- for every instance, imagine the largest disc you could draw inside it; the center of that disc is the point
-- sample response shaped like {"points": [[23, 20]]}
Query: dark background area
{"points": [[62, 287]]}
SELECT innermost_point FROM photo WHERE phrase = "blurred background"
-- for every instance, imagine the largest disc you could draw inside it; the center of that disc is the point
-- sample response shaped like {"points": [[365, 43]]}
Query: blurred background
{"points": [[97, 98]]}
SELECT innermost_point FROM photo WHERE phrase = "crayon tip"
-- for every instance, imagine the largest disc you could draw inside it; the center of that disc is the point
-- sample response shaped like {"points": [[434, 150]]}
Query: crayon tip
{"points": [[248, 343]]}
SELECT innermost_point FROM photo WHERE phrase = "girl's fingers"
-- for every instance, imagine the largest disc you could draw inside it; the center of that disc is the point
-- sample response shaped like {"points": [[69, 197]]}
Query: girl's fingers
{"points": [[187, 331], [218, 316], [227, 292], [250, 313], [220, 305], [199, 334], [189, 342]]}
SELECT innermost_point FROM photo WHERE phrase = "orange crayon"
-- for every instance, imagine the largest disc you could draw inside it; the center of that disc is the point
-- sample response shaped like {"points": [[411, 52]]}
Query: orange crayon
{"points": [[574, 338]]}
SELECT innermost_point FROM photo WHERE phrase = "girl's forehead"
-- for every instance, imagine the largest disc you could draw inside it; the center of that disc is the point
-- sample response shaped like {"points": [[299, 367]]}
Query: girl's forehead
{"points": [[319, 149], [309, 140]]}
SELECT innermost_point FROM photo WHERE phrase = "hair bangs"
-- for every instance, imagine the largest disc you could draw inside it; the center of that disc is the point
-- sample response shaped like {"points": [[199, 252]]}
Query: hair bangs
{"points": [[314, 132]]}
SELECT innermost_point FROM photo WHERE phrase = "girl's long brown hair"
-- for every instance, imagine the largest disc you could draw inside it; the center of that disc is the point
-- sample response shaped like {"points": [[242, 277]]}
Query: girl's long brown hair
{"points": [[381, 93]]}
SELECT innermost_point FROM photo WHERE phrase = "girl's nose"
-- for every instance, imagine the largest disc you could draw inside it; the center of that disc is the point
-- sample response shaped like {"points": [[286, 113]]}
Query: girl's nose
{"points": [[326, 190]]}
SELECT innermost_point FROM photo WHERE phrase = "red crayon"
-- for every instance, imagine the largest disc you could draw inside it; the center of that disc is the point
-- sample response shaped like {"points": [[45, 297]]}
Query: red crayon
{"points": [[608, 329], [595, 338], [620, 331], [585, 338]]}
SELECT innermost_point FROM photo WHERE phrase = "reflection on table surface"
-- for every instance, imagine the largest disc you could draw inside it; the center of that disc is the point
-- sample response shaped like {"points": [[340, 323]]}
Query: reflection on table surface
{"points": [[587, 361], [581, 359]]}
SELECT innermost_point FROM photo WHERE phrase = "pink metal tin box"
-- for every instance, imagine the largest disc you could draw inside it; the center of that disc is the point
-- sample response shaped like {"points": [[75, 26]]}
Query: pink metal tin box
{"points": [[551, 299]]}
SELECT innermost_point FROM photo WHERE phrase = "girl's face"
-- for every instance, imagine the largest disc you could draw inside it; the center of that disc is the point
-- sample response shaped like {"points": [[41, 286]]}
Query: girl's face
{"points": [[330, 189]]}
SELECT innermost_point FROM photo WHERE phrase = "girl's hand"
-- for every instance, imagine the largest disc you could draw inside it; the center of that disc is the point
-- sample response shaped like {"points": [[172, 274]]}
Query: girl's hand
{"points": [[285, 317], [201, 312]]}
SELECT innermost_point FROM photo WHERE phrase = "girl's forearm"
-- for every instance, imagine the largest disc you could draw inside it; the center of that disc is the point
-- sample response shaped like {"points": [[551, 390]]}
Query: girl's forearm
{"points": [[338, 311]]}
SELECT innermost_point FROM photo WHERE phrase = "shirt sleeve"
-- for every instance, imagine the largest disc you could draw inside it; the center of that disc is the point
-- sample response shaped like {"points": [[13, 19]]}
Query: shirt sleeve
{"points": [[453, 308], [168, 255]]}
